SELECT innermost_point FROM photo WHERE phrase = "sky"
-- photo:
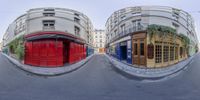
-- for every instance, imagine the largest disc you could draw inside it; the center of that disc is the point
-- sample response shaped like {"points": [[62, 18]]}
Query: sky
{"points": [[97, 10]]}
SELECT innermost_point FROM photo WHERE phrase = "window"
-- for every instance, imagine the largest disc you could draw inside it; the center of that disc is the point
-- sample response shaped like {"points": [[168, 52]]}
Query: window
{"points": [[76, 14], [175, 14], [181, 51], [48, 14], [20, 26], [100, 45], [176, 11], [141, 48], [135, 48], [96, 36], [48, 9], [184, 52], [77, 20], [136, 13], [176, 53], [136, 24], [77, 31], [48, 24], [150, 51], [158, 55], [115, 22], [175, 25], [171, 53], [122, 11], [123, 17], [123, 28], [166, 53], [115, 31], [101, 40]]}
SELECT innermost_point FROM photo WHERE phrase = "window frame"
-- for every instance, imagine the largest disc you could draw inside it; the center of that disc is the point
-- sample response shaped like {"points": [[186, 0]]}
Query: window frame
{"points": [[166, 53], [158, 53], [49, 14], [77, 30], [48, 24]]}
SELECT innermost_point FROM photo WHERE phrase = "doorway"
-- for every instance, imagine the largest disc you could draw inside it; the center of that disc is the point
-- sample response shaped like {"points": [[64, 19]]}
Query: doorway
{"points": [[123, 53], [139, 49]]}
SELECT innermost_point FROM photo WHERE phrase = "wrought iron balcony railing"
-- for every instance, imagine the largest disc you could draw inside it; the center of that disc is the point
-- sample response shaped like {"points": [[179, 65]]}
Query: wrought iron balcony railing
{"points": [[130, 29]]}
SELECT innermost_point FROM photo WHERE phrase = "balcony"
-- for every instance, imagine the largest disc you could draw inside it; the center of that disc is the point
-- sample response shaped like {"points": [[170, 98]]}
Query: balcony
{"points": [[130, 29]]}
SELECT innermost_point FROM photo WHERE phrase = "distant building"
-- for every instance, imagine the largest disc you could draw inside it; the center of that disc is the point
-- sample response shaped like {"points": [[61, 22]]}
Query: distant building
{"points": [[49, 37], [151, 36], [99, 40]]}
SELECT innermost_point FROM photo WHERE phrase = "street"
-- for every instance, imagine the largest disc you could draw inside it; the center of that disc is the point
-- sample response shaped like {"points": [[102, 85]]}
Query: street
{"points": [[97, 80]]}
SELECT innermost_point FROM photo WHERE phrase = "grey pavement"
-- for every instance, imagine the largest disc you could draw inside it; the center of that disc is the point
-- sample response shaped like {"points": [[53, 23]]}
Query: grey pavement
{"points": [[97, 80], [150, 73], [48, 71]]}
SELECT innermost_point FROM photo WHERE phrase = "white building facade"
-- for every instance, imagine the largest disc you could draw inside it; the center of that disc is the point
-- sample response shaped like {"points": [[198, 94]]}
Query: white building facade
{"points": [[41, 24], [127, 29], [99, 41], [51, 19]]}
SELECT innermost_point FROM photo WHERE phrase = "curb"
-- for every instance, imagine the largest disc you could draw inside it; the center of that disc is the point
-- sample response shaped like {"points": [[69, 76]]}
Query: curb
{"points": [[153, 74], [45, 72]]}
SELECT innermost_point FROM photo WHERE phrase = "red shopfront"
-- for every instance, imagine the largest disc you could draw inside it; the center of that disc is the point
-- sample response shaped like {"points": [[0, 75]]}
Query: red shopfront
{"points": [[50, 49]]}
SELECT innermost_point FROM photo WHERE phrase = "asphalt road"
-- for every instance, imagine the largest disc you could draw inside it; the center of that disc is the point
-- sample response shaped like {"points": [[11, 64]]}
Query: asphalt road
{"points": [[97, 80]]}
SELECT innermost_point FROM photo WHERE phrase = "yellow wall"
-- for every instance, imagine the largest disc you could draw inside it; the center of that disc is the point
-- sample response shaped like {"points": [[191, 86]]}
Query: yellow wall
{"points": [[168, 38]]}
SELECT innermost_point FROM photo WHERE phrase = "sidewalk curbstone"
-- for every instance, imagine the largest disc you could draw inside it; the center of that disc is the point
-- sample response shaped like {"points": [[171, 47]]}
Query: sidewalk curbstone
{"points": [[48, 71], [149, 73]]}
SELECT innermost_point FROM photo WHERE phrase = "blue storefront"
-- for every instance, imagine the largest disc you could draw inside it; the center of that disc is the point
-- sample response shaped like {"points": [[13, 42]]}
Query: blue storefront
{"points": [[90, 50], [123, 51]]}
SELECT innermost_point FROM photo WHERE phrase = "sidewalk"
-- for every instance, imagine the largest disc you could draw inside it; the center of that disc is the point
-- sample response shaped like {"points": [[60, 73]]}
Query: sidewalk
{"points": [[149, 73], [48, 71]]}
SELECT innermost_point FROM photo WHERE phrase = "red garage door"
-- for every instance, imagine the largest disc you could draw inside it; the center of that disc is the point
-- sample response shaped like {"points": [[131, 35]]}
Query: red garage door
{"points": [[47, 53], [76, 52]]}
